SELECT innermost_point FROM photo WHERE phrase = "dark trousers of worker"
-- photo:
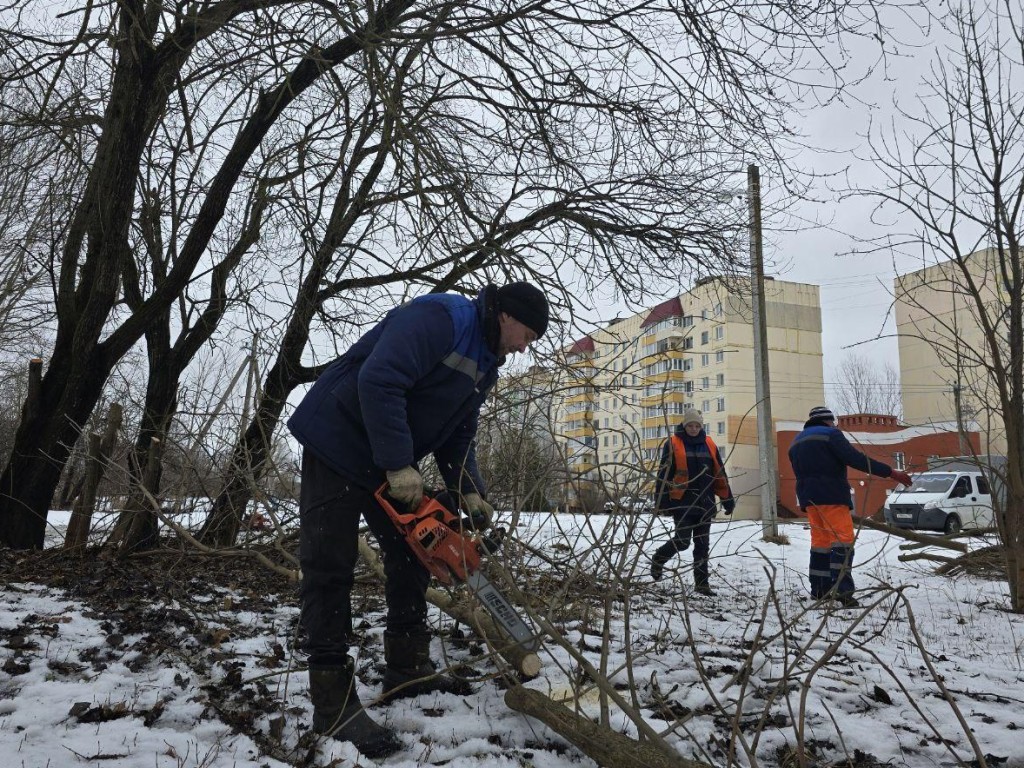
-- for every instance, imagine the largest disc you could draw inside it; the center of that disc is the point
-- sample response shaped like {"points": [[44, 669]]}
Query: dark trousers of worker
{"points": [[329, 512], [831, 565], [692, 524]]}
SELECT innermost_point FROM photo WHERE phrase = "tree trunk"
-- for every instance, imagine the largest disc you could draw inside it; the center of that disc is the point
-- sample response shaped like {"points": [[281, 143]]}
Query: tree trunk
{"points": [[48, 429], [604, 746], [137, 526], [143, 529], [248, 462], [72, 486], [100, 450], [81, 514]]}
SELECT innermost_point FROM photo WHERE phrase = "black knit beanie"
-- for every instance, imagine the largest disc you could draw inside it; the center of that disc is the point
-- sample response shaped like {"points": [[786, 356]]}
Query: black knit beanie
{"points": [[526, 303]]}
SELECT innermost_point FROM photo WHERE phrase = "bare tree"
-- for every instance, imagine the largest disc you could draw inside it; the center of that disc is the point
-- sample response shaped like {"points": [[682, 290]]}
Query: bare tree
{"points": [[958, 176], [862, 386], [474, 157], [509, 140]]}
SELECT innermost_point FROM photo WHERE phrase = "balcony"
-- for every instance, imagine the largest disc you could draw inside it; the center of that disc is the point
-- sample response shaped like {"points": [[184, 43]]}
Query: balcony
{"points": [[572, 415], [663, 376], [578, 431], [582, 397], [582, 466], [668, 420], [666, 396]]}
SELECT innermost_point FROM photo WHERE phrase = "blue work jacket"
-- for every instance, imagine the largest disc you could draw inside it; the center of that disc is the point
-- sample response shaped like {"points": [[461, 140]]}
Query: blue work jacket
{"points": [[411, 386], [820, 456]]}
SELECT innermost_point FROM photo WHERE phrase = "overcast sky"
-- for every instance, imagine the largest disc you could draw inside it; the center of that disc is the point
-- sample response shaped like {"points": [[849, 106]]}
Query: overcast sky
{"points": [[813, 243], [855, 289]]}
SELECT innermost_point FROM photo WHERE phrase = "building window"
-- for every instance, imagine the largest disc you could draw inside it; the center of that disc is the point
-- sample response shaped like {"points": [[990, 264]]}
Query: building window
{"points": [[719, 332], [718, 309], [688, 342], [606, 440], [705, 406], [900, 460], [720, 380], [719, 357], [704, 337], [705, 360], [721, 431], [688, 364], [721, 404], [705, 383]]}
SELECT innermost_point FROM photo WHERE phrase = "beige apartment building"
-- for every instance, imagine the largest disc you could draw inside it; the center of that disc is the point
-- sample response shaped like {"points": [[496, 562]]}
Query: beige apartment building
{"points": [[943, 355], [626, 385]]}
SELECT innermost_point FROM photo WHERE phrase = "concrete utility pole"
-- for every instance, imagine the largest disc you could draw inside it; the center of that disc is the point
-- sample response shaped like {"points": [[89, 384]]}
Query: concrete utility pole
{"points": [[965, 447], [765, 425]]}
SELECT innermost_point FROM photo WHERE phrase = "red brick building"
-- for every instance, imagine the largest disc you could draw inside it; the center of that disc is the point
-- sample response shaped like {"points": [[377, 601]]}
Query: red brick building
{"points": [[882, 438]]}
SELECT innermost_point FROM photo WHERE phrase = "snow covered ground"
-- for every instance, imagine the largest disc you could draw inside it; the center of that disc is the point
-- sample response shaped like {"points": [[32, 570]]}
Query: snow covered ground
{"points": [[930, 671]]}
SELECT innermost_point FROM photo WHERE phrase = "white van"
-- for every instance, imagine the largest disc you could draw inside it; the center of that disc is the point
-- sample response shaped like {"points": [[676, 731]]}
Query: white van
{"points": [[942, 501]]}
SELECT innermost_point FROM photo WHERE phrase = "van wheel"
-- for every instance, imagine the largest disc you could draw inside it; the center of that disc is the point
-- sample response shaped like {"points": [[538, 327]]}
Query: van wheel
{"points": [[952, 524]]}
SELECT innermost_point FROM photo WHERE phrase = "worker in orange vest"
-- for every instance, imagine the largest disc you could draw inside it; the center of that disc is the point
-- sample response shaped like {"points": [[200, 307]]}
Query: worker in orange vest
{"points": [[690, 476]]}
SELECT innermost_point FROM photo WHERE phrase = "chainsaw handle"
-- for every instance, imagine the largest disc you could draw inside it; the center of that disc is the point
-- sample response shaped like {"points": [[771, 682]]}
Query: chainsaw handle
{"points": [[384, 497]]}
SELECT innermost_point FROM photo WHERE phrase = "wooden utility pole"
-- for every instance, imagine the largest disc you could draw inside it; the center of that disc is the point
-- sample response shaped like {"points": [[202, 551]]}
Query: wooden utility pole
{"points": [[765, 425]]}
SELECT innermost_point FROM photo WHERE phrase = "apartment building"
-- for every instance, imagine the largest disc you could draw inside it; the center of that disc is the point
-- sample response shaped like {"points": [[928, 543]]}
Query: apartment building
{"points": [[626, 385], [944, 360]]}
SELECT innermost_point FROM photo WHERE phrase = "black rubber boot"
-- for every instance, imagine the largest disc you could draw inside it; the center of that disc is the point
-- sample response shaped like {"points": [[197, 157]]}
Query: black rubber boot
{"points": [[704, 589], [337, 712], [847, 600], [410, 671]]}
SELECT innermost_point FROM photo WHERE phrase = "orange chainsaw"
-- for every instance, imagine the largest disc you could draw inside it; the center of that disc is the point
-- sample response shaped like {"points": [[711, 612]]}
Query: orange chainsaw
{"points": [[451, 550]]}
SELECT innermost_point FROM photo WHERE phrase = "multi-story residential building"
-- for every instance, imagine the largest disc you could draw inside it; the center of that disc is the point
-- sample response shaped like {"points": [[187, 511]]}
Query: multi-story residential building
{"points": [[944, 360], [627, 384]]}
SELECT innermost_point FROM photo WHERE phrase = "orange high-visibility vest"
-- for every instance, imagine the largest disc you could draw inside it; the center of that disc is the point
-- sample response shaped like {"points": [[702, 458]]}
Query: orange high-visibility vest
{"points": [[682, 475]]}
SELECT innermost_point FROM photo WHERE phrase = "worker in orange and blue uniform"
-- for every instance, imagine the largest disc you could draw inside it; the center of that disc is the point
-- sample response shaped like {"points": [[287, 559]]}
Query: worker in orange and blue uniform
{"points": [[691, 474], [820, 455]]}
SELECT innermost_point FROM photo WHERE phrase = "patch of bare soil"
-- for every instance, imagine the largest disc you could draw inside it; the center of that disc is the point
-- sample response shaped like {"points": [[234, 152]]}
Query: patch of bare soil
{"points": [[185, 607]]}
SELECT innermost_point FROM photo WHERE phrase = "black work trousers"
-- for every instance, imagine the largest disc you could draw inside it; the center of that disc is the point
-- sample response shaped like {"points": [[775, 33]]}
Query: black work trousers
{"points": [[329, 511], [693, 523]]}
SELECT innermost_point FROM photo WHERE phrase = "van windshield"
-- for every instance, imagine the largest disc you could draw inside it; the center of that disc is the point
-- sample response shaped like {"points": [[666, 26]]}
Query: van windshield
{"points": [[931, 483]]}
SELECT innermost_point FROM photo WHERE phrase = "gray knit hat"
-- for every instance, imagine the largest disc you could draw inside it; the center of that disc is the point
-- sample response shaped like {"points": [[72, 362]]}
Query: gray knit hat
{"points": [[691, 415], [821, 412]]}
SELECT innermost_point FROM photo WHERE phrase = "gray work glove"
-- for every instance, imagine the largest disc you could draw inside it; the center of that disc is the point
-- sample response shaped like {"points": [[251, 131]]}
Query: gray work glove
{"points": [[480, 512], [406, 485]]}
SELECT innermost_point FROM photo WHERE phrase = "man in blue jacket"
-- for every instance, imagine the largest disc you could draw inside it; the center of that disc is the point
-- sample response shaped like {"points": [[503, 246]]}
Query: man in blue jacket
{"points": [[820, 455], [413, 385], [691, 474]]}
